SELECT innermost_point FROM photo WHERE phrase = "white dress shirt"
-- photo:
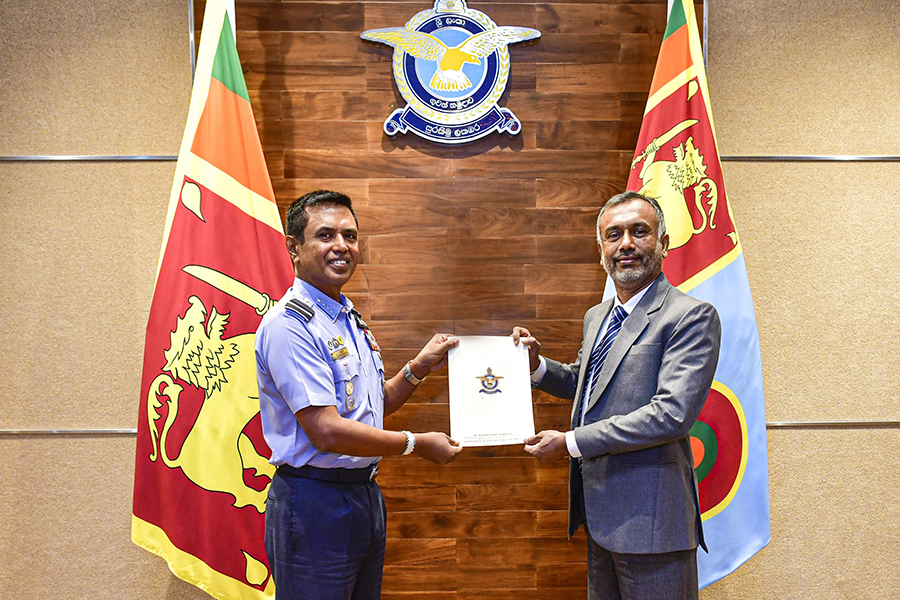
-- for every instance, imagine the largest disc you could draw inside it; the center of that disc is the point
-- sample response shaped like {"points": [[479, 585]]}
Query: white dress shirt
{"points": [[538, 374]]}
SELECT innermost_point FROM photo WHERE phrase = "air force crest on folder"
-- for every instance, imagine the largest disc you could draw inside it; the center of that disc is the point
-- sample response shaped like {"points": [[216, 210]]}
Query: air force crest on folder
{"points": [[490, 383], [451, 65]]}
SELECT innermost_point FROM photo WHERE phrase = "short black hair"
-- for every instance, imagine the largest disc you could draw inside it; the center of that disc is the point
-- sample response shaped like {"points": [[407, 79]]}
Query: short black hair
{"points": [[298, 215]]}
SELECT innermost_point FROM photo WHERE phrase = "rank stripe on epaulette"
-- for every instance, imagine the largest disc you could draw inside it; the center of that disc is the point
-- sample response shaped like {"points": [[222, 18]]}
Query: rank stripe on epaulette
{"points": [[304, 310]]}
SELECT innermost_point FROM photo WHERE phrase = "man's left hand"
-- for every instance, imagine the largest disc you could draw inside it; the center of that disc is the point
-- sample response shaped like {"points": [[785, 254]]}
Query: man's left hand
{"points": [[547, 446]]}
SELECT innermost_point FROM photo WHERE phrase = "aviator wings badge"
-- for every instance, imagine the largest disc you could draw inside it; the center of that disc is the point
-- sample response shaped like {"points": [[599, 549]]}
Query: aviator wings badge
{"points": [[451, 65]]}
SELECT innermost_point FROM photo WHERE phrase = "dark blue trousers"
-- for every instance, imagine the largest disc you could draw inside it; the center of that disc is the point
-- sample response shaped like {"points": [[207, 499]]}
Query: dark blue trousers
{"points": [[324, 540]]}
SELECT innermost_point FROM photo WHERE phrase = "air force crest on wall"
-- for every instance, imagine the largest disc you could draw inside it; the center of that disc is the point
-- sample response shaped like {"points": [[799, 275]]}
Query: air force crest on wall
{"points": [[451, 66]]}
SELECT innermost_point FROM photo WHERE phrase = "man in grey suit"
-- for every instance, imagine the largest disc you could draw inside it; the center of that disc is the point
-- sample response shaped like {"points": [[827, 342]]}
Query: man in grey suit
{"points": [[644, 370]]}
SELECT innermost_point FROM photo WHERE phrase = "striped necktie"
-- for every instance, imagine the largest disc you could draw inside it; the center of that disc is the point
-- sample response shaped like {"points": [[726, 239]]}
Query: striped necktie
{"points": [[598, 357]]}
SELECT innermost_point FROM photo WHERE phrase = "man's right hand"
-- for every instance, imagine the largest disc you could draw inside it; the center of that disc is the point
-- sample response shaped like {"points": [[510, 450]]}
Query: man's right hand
{"points": [[547, 446], [522, 335], [437, 447]]}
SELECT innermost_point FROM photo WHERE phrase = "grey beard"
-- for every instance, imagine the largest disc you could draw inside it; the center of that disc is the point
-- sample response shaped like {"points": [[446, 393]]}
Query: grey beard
{"points": [[649, 264]]}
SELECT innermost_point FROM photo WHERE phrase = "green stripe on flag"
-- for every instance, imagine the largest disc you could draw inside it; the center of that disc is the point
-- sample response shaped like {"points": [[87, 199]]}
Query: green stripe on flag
{"points": [[677, 20], [227, 65]]}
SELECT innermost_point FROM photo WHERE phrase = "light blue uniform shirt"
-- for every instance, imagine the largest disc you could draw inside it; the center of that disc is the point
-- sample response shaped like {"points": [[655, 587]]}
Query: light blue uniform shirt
{"points": [[326, 360]]}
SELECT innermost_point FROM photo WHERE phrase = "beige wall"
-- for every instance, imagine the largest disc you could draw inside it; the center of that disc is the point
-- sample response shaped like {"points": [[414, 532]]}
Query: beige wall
{"points": [[78, 249], [818, 78], [79, 244]]}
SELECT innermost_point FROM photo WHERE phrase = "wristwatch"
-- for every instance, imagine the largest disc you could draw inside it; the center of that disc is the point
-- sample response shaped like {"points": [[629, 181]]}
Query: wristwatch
{"points": [[409, 375], [410, 443]]}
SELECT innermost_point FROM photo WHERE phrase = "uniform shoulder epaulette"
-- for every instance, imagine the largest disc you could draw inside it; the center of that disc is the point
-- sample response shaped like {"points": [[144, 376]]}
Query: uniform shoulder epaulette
{"points": [[300, 308]]}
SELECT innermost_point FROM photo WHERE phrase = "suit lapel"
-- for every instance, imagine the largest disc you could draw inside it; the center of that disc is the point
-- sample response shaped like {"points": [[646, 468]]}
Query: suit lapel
{"points": [[632, 328], [587, 346]]}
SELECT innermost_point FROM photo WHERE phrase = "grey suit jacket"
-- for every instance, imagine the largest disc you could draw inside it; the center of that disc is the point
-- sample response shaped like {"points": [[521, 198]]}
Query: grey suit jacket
{"points": [[637, 476]]}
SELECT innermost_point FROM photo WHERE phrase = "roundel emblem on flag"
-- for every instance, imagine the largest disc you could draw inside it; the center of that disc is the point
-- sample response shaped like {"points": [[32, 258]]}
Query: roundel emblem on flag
{"points": [[719, 443]]}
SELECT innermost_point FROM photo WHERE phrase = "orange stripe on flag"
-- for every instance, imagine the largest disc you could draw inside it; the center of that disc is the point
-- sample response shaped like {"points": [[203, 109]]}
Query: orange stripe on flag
{"points": [[234, 150], [674, 59]]}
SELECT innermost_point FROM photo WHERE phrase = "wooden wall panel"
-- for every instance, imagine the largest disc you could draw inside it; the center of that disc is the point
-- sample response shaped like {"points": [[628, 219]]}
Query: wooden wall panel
{"points": [[470, 240]]}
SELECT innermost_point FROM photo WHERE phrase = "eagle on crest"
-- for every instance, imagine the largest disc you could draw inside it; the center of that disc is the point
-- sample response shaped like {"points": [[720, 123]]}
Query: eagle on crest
{"points": [[449, 76]]}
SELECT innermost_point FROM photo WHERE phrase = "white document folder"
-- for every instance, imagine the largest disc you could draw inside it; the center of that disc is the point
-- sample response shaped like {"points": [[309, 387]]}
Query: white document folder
{"points": [[490, 391]]}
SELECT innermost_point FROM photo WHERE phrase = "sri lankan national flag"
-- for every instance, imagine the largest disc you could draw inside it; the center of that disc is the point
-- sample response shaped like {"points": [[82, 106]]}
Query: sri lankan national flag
{"points": [[677, 162], [201, 469]]}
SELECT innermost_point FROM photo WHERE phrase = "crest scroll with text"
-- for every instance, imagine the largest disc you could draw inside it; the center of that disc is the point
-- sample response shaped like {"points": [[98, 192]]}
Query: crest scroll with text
{"points": [[451, 66]]}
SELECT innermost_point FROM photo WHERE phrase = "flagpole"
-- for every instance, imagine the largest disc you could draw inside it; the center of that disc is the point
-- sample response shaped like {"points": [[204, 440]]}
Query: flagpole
{"points": [[191, 38], [705, 36]]}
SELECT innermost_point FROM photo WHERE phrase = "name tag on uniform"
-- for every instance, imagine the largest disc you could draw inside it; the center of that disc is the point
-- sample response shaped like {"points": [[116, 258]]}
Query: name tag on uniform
{"points": [[340, 353]]}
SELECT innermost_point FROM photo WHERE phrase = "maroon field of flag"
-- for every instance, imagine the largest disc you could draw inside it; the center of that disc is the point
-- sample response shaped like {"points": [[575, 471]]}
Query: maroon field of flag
{"points": [[201, 466]]}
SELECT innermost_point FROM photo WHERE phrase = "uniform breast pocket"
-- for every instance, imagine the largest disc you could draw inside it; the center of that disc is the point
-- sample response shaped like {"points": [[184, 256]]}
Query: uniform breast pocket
{"points": [[346, 383]]}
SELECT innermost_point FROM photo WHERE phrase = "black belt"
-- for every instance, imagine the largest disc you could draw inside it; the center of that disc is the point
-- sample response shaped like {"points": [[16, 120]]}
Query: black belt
{"points": [[335, 475]]}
